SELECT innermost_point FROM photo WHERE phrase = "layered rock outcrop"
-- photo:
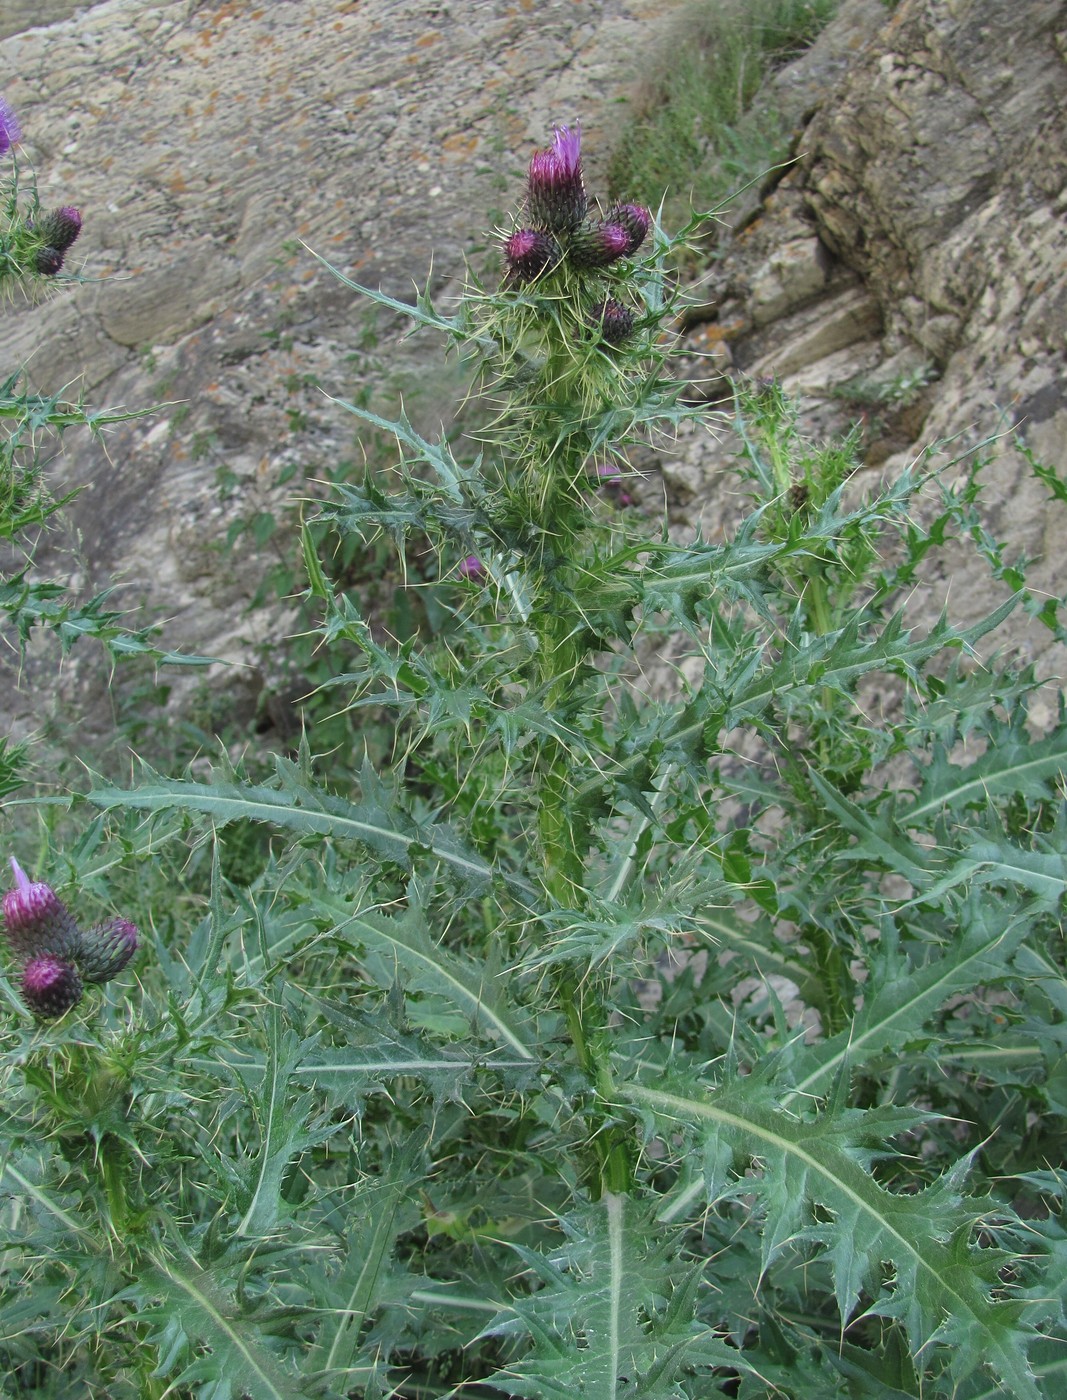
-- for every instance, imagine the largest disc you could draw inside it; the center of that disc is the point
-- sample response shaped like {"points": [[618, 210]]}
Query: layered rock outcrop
{"points": [[910, 271]]}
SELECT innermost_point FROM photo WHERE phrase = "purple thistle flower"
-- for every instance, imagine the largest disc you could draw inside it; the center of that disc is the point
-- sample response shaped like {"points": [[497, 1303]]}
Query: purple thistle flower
{"points": [[41, 931], [472, 569], [635, 219], [10, 131], [614, 321], [50, 986], [61, 227], [610, 479], [598, 244], [556, 197], [36, 921], [607, 474], [106, 949], [528, 252]]}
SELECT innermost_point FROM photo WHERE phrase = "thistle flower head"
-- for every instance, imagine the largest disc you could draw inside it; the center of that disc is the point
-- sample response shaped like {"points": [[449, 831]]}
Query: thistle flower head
{"points": [[28, 899], [614, 321], [47, 261], [556, 197], [36, 921], [528, 252], [598, 244], [106, 949], [635, 219], [41, 931], [609, 478], [567, 148], [50, 986], [10, 131], [61, 227], [471, 568]]}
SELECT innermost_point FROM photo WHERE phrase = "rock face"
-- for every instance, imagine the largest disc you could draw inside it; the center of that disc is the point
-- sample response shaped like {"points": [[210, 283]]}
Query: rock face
{"points": [[909, 268], [18, 15]]}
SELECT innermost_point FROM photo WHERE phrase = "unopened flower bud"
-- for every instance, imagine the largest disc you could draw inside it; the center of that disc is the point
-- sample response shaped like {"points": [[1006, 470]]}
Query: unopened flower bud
{"points": [[614, 321], [50, 986], [61, 227], [48, 261], [106, 949], [611, 479], [472, 569], [528, 252], [10, 131], [598, 244], [556, 198], [635, 219], [36, 921]]}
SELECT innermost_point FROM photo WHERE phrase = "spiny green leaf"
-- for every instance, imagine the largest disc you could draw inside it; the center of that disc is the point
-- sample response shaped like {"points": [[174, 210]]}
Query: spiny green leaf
{"points": [[29, 1176], [941, 1288], [1009, 766], [366, 1277], [421, 311], [901, 996], [292, 803], [203, 1334], [997, 860], [374, 1053], [838, 660], [878, 837], [282, 1119], [430, 966], [31, 604], [615, 1316], [437, 455]]}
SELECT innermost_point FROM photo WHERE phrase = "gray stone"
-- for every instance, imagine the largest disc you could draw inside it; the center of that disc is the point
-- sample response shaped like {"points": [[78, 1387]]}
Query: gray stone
{"points": [[932, 170], [19, 15]]}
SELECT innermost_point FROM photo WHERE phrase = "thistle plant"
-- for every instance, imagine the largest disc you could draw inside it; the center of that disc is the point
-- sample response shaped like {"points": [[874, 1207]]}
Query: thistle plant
{"points": [[664, 1039]]}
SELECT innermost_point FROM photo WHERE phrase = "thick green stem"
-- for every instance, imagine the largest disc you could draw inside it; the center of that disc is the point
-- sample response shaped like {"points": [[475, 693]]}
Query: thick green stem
{"points": [[613, 1164], [563, 841], [558, 664], [553, 485], [818, 600], [112, 1166], [564, 873], [817, 597]]}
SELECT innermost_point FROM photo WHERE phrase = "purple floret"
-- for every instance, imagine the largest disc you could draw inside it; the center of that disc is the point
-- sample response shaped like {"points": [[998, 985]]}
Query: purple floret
{"points": [[10, 131]]}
